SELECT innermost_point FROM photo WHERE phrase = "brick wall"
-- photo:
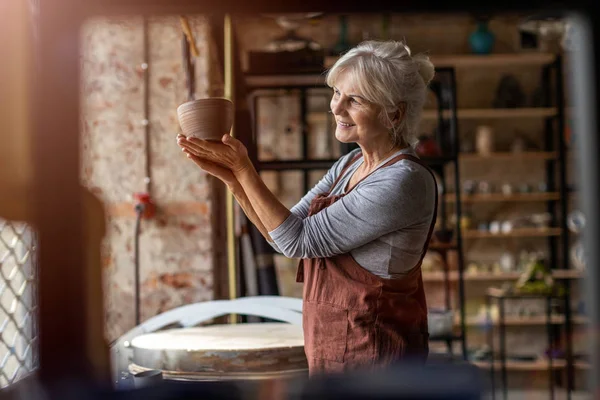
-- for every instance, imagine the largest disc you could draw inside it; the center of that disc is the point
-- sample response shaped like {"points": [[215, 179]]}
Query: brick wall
{"points": [[180, 247]]}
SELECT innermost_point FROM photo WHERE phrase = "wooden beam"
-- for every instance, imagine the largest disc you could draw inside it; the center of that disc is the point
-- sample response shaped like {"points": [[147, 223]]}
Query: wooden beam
{"points": [[58, 198], [149, 7]]}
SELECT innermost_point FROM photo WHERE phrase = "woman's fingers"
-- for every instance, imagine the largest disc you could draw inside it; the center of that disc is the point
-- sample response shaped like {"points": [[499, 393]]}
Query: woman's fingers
{"points": [[192, 149], [192, 145], [230, 153], [217, 171], [208, 146], [232, 142]]}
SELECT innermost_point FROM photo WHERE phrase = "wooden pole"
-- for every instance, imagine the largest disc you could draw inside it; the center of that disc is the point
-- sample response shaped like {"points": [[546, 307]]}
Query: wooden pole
{"points": [[230, 94]]}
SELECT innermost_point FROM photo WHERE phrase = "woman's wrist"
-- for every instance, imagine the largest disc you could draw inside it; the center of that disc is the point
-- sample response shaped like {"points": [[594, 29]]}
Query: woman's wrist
{"points": [[235, 188], [245, 172]]}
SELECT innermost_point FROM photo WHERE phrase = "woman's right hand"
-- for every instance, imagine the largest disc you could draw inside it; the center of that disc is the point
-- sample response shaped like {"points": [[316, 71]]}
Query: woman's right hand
{"points": [[222, 173]]}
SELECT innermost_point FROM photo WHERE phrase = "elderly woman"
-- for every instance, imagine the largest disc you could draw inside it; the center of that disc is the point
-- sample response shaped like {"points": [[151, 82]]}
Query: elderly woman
{"points": [[363, 230]]}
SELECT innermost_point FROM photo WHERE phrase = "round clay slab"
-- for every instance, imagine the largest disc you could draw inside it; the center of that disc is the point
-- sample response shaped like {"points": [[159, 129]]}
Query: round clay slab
{"points": [[223, 349], [224, 337]]}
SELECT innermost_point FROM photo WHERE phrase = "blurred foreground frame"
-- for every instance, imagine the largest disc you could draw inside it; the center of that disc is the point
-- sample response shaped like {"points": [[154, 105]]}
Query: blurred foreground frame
{"points": [[40, 140]]}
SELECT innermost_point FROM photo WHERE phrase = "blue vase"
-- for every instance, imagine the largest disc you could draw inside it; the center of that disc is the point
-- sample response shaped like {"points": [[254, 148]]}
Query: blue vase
{"points": [[482, 40]]}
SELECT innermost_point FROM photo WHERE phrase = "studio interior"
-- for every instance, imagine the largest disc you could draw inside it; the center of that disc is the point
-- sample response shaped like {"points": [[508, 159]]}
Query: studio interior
{"points": [[127, 265]]}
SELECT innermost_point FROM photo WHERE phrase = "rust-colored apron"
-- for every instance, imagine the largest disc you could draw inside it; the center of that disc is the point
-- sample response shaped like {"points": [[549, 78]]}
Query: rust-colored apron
{"points": [[353, 319]]}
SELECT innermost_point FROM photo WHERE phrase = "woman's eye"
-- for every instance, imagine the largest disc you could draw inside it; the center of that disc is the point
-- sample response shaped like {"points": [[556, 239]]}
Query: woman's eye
{"points": [[353, 100]]}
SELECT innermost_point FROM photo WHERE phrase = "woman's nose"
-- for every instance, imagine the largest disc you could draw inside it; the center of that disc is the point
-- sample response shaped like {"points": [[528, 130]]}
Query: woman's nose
{"points": [[336, 107]]}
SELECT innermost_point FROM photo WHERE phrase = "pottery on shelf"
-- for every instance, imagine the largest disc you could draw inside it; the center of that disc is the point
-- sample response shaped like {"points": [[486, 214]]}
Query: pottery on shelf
{"points": [[484, 140], [482, 39]]}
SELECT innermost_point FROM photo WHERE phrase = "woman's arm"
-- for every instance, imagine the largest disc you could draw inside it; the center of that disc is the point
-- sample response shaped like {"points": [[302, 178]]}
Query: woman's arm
{"points": [[268, 208], [323, 186], [394, 198], [227, 177], [348, 225], [244, 202], [260, 196], [233, 156]]}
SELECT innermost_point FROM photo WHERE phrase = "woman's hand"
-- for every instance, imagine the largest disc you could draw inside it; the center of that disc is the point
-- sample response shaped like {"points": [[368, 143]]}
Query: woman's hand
{"points": [[229, 153], [222, 173]]}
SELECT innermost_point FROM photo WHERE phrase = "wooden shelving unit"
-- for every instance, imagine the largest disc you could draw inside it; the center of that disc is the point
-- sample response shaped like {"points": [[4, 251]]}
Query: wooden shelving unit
{"points": [[552, 117]]}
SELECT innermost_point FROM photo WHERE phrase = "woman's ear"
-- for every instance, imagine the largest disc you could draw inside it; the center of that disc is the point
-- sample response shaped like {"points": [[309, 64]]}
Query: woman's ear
{"points": [[400, 112]]}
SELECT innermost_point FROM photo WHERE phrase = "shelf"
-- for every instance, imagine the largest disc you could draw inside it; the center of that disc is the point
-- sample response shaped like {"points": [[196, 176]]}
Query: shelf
{"points": [[445, 338], [540, 365], [282, 165], [442, 246], [432, 161], [437, 161], [473, 60], [521, 232], [567, 274], [582, 365], [283, 81], [510, 156], [499, 197], [494, 113], [438, 276], [500, 293], [523, 321], [493, 60]]}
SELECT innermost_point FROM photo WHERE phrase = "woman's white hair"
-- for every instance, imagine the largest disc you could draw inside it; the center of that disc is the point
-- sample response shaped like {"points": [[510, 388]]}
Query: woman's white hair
{"points": [[387, 75]]}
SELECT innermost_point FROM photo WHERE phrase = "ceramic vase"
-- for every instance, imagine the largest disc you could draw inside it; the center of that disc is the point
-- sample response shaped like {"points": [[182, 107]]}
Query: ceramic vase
{"points": [[482, 39]]}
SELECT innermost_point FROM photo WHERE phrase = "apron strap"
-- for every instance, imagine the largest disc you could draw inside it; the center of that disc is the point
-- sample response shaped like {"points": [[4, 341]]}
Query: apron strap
{"points": [[420, 162], [300, 270], [341, 175]]}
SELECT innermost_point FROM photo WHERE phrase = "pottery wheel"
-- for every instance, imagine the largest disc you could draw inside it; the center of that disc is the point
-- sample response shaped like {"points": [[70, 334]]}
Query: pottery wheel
{"points": [[222, 349]]}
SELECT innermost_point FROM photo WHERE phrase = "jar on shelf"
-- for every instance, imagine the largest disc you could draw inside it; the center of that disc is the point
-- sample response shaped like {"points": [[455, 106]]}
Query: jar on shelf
{"points": [[484, 140]]}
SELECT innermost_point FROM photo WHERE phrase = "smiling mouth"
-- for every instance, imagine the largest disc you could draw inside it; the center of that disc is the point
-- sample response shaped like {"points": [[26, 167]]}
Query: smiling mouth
{"points": [[345, 124]]}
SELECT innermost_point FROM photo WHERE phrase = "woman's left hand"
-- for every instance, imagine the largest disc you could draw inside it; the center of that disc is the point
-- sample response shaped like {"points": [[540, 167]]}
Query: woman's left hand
{"points": [[230, 152]]}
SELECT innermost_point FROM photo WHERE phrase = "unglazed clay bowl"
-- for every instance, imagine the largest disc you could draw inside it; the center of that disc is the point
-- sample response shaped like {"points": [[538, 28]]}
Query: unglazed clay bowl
{"points": [[208, 118]]}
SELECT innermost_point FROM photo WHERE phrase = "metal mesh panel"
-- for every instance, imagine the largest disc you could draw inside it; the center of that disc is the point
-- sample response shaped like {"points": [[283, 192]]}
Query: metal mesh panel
{"points": [[18, 302]]}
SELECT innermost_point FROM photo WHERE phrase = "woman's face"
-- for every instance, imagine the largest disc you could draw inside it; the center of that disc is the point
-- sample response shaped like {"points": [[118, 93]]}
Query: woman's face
{"points": [[357, 120]]}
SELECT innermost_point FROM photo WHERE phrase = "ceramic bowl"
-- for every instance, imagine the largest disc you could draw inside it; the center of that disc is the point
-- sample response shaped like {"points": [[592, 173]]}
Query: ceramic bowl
{"points": [[208, 118]]}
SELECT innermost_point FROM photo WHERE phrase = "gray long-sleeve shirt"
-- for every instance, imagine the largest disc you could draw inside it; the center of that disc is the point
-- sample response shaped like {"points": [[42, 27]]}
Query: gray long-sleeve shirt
{"points": [[383, 222]]}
